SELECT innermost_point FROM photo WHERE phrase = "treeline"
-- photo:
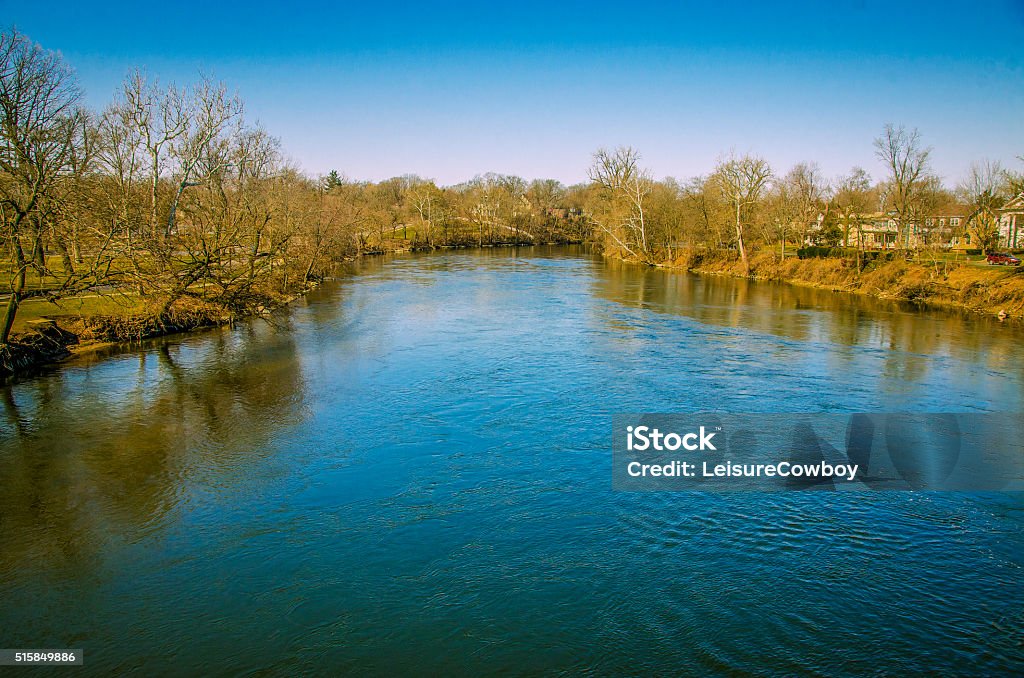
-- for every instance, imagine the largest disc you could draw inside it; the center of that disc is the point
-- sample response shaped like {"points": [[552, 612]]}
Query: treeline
{"points": [[172, 197], [491, 209], [744, 203]]}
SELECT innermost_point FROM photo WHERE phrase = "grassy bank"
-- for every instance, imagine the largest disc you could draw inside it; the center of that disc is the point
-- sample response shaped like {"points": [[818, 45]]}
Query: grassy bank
{"points": [[980, 289], [48, 332]]}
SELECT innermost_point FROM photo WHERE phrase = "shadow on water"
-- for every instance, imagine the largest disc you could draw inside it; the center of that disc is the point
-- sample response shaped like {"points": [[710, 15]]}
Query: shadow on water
{"points": [[97, 453], [912, 337]]}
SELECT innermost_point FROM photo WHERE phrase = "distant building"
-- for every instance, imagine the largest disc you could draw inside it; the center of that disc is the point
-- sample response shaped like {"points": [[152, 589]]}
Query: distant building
{"points": [[947, 228], [879, 230], [1011, 223], [875, 231]]}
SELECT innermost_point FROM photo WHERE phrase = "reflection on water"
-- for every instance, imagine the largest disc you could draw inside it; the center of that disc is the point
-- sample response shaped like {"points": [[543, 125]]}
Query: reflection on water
{"points": [[106, 453], [410, 471], [912, 337], [898, 350]]}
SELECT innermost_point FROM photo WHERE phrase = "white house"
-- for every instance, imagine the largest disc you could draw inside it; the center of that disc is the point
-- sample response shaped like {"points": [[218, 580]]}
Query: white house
{"points": [[1011, 223]]}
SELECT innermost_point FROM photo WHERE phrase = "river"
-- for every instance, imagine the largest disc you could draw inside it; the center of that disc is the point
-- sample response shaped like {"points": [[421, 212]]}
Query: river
{"points": [[410, 471]]}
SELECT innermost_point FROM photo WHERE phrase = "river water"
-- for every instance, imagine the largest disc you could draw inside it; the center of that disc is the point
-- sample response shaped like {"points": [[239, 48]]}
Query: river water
{"points": [[410, 471]]}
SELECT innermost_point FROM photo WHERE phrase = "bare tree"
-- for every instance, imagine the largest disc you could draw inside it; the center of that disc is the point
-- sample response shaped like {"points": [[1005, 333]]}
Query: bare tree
{"points": [[808, 190], [625, 187], [202, 149], [423, 196], [742, 181], [785, 215], [906, 160], [72, 202], [38, 106], [546, 194], [854, 199], [703, 199], [982, 191], [933, 233], [1014, 181], [160, 117]]}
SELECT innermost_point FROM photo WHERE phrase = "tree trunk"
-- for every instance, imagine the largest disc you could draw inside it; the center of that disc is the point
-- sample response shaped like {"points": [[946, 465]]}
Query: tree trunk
{"points": [[9, 313], [309, 270], [16, 291], [38, 254], [65, 257], [739, 241], [152, 198], [76, 248]]}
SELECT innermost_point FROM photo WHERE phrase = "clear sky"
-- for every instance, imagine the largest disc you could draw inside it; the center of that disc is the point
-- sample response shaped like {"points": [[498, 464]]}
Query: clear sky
{"points": [[450, 90]]}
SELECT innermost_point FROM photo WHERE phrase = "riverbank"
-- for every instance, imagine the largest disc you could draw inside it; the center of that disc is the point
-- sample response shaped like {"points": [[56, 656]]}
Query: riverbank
{"points": [[414, 247], [997, 291], [47, 340]]}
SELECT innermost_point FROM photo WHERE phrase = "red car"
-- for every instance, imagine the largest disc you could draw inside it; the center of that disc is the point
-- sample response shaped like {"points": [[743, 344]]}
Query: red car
{"points": [[1003, 258]]}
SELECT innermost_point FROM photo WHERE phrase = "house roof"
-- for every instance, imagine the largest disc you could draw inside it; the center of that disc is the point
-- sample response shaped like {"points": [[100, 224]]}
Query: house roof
{"points": [[951, 210], [1015, 205]]}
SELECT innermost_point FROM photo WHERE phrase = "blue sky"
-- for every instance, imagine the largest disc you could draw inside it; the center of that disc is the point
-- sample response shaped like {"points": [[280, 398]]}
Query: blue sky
{"points": [[450, 90]]}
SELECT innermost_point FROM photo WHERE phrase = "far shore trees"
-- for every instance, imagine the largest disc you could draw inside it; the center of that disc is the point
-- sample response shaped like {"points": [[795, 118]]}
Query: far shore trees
{"points": [[624, 188], [982, 191], [742, 181], [708, 212], [808, 190], [906, 161], [855, 199]]}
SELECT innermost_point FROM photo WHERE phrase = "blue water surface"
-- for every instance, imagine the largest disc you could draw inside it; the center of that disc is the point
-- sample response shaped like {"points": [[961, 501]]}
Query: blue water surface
{"points": [[409, 471]]}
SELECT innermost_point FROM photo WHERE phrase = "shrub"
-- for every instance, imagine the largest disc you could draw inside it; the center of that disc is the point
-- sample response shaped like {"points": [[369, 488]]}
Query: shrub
{"points": [[814, 252], [819, 252]]}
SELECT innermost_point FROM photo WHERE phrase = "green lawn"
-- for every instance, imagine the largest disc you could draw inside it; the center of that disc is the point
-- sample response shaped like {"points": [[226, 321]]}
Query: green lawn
{"points": [[90, 304]]}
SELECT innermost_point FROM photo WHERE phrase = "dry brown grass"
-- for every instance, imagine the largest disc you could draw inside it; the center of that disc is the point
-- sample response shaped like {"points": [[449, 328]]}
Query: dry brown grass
{"points": [[184, 315], [980, 289]]}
